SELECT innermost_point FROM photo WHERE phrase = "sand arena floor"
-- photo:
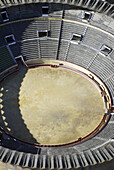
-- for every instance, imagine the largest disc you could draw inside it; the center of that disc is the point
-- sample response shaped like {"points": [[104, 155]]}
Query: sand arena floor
{"points": [[59, 106]]}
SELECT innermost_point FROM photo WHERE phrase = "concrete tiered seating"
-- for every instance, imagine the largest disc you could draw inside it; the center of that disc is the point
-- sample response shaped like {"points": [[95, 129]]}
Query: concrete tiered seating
{"points": [[6, 59], [102, 21], [63, 46], [102, 67], [91, 157], [5, 31], [72, 13], [55, 10], [16, 49], [32, 30], [20, 33], [95, 38], [29, 50], [81, 55], [101, 6], [55, 28], [110, 85], [68, 28], [30, 10], [48, 48], [112, 56]]}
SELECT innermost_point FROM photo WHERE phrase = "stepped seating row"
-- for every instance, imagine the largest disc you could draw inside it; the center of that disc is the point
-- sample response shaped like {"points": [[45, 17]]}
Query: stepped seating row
{"points": [[63, 46], [101, 6], [59, 11], [32, 29], [16, 49], [103, 21], [55, 28], [31, 11], [6, 59], [56, 11], [68, 28], [102, 67], [77, 53], [4, 31], [80, 55], [110, 85], [27, 36], [29, 50], [92, 37], [87, 57], [22, 11], [34, 49], [29, 29], [48, 48], [95, 38], [93, 18], [67, 161], [112, 56]]}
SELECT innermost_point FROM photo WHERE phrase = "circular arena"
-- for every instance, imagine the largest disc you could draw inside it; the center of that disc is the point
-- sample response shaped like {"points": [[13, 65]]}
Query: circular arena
{"points": [[57, 84]]}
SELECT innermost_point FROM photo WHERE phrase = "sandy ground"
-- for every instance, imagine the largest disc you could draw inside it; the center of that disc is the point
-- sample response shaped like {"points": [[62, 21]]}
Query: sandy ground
{"points": [[59, 106]]}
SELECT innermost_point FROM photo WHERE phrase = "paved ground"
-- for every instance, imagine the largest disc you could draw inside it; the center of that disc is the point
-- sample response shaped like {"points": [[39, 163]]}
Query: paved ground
{"points": [[59, 106]]}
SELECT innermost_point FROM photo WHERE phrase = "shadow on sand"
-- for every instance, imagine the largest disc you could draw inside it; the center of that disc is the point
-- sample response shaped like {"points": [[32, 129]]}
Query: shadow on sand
{"points": [[10, 116]]}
